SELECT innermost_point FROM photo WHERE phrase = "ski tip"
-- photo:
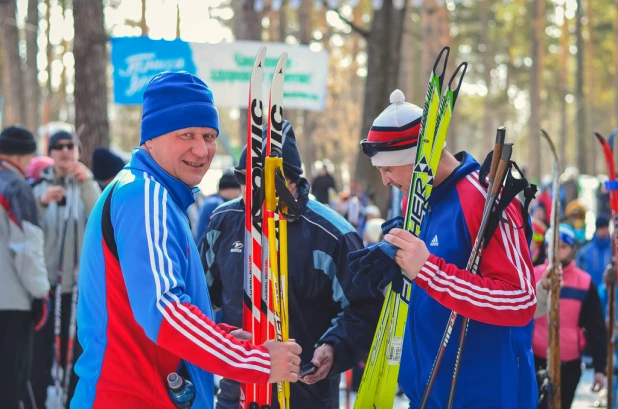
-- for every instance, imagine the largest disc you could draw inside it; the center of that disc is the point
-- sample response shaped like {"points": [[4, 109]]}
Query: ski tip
{"points": [[260, 57], [599, 136], [281, 64], [444, 53], [463, 67]]}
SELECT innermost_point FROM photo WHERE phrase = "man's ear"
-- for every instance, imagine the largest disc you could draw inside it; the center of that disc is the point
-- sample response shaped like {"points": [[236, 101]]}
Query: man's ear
{"points": [[147, 145]]}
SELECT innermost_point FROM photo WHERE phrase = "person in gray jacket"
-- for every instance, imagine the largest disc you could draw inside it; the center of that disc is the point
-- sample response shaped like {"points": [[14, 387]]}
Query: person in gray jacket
{"points": [[54, 192], [23, 278]]}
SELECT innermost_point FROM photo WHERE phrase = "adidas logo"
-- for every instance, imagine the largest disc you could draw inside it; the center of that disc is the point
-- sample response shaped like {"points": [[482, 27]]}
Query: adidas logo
{"points": [[237, 247], [434, 241]]}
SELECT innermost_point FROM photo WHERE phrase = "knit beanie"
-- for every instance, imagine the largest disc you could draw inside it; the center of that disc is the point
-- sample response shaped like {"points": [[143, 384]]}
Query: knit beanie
{"points": [[58, 136], [393, 137], [292, 163], [566, 235], [16, 140], [602, 221], [228, 181], [105, 164], [177, 100]]}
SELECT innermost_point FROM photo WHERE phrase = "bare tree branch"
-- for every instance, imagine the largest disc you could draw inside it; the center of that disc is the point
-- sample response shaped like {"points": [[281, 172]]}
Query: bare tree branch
{"points": [[359, 30]]}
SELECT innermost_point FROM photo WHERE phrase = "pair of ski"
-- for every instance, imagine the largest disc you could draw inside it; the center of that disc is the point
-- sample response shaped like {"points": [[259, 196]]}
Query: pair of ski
{"points": [[265, 311], [379, 382], [612, 187]]}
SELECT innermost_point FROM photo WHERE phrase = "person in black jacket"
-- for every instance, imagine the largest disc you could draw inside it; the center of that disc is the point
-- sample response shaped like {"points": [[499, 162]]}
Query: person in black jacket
{"points": [[322, 184], [329, 317]]}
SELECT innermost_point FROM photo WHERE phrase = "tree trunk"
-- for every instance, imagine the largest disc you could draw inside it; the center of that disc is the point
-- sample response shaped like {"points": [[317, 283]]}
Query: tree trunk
{"points": [[383, 54], [564, 89], [590, 91], [616, 66], [142, 22], [247, 26], [49, 49], [488, 136], [178, 19], [407, 67], [33, 99], [435, 35], [306, 144], [15, 101], [90, 76], [582, 136], [534, 124]]}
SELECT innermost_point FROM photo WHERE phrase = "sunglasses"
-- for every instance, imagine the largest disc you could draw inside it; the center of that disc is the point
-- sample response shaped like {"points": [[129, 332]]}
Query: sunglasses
{"points": [[61, 146], [371, 149]]}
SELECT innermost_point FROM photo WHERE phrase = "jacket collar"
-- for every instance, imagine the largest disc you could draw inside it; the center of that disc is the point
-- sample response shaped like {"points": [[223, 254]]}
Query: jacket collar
{"points": [[180, 193], [467, 165], [9, 166]]}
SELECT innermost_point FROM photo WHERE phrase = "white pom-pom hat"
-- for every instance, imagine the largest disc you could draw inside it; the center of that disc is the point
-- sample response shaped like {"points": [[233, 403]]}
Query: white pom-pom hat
{"points": [[393, 137]]}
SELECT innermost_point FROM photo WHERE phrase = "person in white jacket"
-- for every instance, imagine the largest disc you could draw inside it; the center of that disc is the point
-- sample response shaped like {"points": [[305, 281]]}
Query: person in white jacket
{"points": [[23, 277]]}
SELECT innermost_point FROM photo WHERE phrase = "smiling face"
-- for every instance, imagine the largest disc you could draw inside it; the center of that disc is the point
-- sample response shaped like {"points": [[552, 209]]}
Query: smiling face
{"points": [[398, 176], [185, 154]]}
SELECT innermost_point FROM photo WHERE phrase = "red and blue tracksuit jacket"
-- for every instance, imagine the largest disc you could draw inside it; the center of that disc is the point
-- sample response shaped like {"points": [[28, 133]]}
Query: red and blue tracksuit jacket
{"points": [[144, 308], [497, 368]]}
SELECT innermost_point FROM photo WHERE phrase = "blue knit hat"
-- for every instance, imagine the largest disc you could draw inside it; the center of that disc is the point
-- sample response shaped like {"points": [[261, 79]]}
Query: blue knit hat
{"points": [[177, 100], [292, 163], [566, 235]]}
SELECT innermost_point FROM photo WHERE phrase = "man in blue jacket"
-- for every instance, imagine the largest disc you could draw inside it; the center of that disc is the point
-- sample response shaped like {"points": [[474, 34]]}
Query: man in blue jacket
{"points": [[330, 318], [595, 255], [144, 309], [228, 189], [497, 368]]}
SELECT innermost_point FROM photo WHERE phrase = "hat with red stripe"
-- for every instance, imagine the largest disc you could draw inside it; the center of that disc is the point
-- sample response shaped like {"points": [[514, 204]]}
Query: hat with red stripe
{"points": [[393, 137]]}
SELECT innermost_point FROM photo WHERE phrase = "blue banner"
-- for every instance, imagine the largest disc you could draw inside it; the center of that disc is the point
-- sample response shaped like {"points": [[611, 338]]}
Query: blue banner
{"points": [[136, 60]]}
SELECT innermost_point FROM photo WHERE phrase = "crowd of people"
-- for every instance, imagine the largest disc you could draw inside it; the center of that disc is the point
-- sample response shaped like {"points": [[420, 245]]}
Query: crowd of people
{"points": [[114, 254], [46, 201]]}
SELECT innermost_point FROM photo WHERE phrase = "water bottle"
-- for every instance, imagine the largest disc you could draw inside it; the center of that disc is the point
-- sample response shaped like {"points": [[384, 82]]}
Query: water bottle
{"points": [[180, 390]]}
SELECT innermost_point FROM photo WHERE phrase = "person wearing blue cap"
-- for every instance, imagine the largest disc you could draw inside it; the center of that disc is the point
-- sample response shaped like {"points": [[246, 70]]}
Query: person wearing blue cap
{"points": [[595, 255], [330, 318], [581, 321], [144, 310]]}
